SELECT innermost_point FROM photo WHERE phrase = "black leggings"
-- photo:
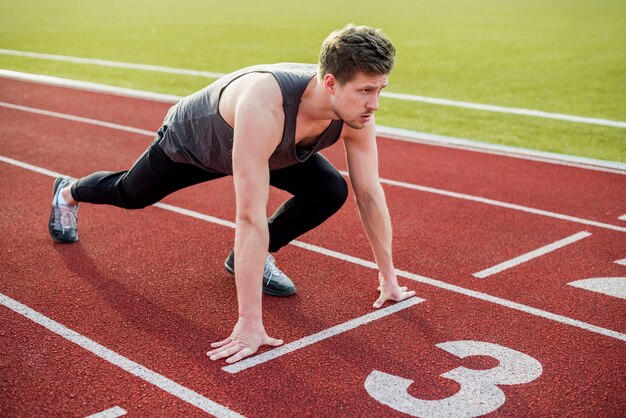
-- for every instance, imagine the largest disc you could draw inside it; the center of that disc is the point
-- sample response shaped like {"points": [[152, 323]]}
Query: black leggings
{"points": [[318, 190]]}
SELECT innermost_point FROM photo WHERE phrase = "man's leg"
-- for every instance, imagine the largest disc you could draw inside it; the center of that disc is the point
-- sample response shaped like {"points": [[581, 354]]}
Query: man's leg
{"points": [[153, 176], [318, 191]]}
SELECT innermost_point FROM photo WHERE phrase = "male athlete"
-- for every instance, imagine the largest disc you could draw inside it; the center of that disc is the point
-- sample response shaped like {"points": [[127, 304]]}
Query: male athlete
{"points": [[265, 125]]}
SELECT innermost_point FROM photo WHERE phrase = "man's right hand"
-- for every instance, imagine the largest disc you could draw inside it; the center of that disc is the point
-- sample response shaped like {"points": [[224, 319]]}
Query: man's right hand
{"points": [[244, 341]]}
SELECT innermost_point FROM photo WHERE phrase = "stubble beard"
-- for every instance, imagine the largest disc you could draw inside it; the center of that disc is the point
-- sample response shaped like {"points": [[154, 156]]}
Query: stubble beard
{"points": [[351, 123]]}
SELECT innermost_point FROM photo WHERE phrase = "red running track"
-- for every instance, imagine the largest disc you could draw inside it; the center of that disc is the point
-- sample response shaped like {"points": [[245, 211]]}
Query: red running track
{"points": [[150, 287]]}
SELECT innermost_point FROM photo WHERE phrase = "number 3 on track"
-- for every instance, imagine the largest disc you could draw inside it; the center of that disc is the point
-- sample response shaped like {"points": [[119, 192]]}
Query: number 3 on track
{"points": [[479, 393]]}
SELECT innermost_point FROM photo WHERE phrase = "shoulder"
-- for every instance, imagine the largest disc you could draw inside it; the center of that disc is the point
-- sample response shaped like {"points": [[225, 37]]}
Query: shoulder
{"points": [[251, 93]]}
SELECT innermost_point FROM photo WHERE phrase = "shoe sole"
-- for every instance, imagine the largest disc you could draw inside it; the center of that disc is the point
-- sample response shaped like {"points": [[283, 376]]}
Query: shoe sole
{"points": [[266, 290], [57, 181]]}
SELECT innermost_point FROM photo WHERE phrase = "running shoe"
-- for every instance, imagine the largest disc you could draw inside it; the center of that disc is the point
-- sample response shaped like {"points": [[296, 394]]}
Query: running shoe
{"points": [[62, 224], [275, 282]]}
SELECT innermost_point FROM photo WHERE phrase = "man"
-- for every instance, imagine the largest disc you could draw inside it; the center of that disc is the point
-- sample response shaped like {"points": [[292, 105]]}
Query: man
{"points": [[264, 125]]}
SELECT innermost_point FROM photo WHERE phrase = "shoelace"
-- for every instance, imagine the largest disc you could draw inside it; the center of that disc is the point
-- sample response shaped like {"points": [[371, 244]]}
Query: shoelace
{"points": [[270, 269], [67, 218]]}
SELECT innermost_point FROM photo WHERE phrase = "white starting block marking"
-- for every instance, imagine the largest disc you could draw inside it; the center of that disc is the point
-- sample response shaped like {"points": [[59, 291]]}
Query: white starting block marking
{"points": [[612, 286], [320, 336], [114, 412], [533, 254]]}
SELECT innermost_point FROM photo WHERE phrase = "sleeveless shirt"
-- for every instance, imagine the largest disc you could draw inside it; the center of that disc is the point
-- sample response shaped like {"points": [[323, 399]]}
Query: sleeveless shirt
{"points": [[195, 132]]}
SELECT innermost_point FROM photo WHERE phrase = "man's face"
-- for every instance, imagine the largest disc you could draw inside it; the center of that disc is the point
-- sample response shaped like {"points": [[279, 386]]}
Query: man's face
{"points": [[356, 101]]}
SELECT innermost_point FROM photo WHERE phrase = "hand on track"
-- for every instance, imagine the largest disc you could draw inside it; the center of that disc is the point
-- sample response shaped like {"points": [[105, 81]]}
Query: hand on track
{"points": [[243, 342], [391, 291]]}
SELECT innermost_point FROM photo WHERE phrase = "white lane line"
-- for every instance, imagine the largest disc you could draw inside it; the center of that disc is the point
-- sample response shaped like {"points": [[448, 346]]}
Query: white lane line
{"points": [[382, 180], [79, 119], [389, 95], [587, 163], [114, 412], [320, 336], [498, 203], [116, 64], [408, 275], [621, 262], [531, 255], [622, 218], [392, 133], [181, 392], [468, 292], [611, 286]]}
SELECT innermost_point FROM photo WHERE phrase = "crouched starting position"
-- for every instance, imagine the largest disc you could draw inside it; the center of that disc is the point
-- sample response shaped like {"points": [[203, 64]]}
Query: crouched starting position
{"points": [[265, 125]]}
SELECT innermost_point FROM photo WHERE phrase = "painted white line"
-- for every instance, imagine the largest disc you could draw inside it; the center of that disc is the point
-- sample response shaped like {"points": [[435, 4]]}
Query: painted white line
{"points": [[114, 412], [389, 132], [382, 180], [508, 110], [136, 369], [498, 203], [621, 262], [406, 135], [531, 255], [622, 218], [611, 286], [116, 64], [78, 119], [411, 276], [468, 292], [320, 336], [389, 95]]}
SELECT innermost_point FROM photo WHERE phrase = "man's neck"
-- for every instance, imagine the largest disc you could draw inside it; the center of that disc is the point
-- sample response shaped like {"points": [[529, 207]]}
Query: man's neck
{"points": [[316, 104]]}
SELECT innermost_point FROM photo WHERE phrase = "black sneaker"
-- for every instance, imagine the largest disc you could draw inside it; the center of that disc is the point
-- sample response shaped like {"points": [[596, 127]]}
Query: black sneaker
{"points": [[63, 218], [275, 282]]}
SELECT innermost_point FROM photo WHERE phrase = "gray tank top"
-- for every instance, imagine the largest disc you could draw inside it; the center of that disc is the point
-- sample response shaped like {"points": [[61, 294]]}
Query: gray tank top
{"points": [[195, 133]]}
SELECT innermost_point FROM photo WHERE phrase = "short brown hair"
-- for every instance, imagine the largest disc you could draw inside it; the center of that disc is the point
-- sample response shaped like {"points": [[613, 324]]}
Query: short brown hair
{"points": [[356, 48]]}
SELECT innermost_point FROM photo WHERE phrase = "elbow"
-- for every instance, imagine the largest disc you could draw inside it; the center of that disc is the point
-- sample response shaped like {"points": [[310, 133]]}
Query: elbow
{"points": [[363, 200]]}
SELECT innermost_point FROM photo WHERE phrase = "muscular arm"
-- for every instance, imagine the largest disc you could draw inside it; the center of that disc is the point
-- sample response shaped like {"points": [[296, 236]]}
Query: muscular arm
{"points": [[362, 158], [257, 132]]}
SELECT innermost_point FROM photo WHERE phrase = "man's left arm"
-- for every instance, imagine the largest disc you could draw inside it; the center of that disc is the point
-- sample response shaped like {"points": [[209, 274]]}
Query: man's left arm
{"points": [[362, 159]]}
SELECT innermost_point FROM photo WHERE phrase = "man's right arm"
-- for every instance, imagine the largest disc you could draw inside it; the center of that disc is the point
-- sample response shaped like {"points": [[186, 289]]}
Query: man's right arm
{"points": [[257, 132]]}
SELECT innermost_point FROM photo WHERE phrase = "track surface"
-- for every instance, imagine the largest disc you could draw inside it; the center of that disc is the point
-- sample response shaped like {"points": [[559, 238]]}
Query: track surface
{"points": [[148, 286]]}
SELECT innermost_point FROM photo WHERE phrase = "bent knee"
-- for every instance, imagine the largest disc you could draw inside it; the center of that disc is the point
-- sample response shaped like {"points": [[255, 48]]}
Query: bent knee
{"points": [[336, 191]]}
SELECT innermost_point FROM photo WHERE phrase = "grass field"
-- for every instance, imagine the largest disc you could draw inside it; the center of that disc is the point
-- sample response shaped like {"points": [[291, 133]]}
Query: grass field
{"points": [[562, 56]]}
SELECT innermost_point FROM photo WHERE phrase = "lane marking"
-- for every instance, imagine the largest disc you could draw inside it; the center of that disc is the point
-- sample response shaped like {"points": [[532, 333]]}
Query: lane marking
{"points": [[499, 203], [392, 133], [622, 218], [611, 286], [78, 119], [554, 158], [405, 185], [621, 262], [181, 392], [320, 336], [531, 255], [115, 64], [389, 95], [114, 412]]}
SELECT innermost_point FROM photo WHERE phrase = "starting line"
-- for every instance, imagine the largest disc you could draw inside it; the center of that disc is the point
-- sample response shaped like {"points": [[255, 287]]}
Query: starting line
{"points": [[533, 254], [181, 392]]}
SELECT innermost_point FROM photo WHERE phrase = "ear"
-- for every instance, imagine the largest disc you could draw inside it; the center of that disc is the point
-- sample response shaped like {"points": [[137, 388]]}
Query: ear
{"points": [[330, 83]]}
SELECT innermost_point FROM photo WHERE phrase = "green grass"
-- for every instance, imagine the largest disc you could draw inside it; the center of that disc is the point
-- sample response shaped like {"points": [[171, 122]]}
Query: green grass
{"points": [[562, 56]]}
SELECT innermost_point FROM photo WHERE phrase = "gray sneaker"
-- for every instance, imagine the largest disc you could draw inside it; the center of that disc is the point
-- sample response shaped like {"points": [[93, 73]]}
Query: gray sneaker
{"points": [[62, 224], [275, 282]]}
